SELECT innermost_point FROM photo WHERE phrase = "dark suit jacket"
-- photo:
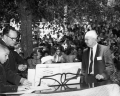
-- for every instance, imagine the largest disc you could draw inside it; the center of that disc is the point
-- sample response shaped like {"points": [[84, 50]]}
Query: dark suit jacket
{"points": [[3, 82], [102, 66], [15, 60], [11, 75]]}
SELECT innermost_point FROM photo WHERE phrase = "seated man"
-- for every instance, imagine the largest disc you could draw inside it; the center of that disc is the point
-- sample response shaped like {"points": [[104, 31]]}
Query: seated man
{"points": [[4, 52], [14, 63]]}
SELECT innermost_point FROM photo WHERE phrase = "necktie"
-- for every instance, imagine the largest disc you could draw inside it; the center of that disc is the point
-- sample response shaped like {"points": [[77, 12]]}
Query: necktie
{"points": [[91, 61]]}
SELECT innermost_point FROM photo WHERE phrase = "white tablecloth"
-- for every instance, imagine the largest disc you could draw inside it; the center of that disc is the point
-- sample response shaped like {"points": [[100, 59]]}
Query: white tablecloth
{"points": [[105, 90]]}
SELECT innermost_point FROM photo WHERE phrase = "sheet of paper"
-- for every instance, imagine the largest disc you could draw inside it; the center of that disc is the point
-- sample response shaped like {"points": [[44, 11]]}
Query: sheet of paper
{"points": [[30, 90], [71, 67], [31, 76], [46, 70], [35, 75], [44, 87], [20, 92]]}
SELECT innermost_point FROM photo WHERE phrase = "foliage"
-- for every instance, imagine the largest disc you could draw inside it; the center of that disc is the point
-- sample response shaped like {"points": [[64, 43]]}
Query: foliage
{"points": [[51, 9], [8, 10]]}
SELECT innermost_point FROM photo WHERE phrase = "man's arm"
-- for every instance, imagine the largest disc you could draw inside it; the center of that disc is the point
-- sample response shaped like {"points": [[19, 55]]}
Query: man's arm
{"points": [[7, 88], [83, 64], [21, 63], [18, 58], [13, 77], [10, 75], [3, 86], [109, 65], [10, 88]]}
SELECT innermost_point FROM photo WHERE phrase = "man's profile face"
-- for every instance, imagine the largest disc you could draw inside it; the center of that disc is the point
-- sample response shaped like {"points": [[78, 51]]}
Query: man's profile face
{"points": [[89, 41], [4, 55], [11, 38]]}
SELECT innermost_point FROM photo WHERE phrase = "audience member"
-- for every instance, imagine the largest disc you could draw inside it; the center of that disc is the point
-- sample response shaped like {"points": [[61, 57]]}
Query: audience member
{"points": [[59, 56], [35, 59]]}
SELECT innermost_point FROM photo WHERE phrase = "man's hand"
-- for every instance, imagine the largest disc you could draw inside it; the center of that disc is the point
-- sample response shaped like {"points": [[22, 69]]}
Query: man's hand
{"points": [[25, 82], [99, 77], [22, 67], [82, 72], [23, 88]]}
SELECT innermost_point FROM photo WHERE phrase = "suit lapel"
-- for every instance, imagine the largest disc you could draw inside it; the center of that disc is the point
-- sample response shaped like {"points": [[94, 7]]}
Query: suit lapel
{"points": [[97, 53], [96, 66], [87, 58]]}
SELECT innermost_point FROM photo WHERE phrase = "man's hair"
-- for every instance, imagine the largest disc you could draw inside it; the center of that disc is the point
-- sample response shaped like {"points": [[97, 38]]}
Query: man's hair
{"points": [[7, 29], [92, 34]]}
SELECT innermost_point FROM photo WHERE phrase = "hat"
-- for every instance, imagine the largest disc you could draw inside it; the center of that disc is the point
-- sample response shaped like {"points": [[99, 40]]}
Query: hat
{"points": [[46, 58]]}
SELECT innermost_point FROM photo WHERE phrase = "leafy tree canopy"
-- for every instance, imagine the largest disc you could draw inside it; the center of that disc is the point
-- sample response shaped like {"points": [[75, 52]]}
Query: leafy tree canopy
{"points": [[51, 9]]}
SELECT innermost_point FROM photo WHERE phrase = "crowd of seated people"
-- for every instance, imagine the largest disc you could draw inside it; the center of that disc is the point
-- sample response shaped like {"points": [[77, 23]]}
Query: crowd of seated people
{"points": [[50, 36], [67, 47]]}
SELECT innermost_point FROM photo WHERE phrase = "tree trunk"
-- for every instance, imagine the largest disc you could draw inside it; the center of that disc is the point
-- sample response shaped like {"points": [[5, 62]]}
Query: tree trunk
{"points": [[26, 29]]}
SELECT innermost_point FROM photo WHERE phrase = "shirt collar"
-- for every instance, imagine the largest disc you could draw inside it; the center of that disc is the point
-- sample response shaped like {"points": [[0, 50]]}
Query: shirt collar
{"points": [[95, 46]]}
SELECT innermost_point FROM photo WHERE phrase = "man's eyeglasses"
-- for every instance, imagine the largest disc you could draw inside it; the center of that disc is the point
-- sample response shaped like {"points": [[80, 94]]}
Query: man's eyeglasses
{"points": [[14, 39]]}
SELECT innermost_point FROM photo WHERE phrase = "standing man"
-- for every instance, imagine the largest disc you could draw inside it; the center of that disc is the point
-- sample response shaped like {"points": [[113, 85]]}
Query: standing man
{"points": [[97, 64], [9, 39]]}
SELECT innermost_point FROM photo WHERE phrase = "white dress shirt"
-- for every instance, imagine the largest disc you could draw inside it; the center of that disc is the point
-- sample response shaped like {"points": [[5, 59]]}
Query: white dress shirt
{"points": [[94, 52]]}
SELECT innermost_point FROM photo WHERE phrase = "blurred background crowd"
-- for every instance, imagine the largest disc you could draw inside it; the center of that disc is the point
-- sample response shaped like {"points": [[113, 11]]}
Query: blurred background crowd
{"points": [[50, 38], [55, 28]]}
